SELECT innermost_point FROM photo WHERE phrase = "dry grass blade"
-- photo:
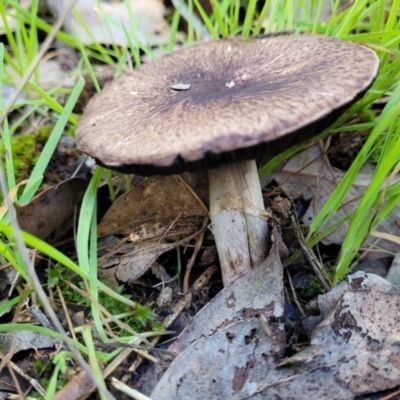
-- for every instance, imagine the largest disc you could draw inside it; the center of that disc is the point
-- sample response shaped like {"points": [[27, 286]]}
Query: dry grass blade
{"points": [[386, 236], [132, 393], [32, 381]]}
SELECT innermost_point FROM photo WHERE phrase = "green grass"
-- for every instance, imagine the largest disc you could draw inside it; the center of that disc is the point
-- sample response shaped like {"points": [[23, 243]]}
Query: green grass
{"points": [[372, 23]]}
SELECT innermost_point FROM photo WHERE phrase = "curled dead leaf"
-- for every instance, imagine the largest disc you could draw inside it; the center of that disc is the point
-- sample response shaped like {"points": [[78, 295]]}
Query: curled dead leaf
{"points": [[160, 206], [52, 209]]}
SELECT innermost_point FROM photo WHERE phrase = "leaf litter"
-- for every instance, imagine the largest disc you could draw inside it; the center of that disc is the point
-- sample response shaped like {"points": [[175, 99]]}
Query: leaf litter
{"points": [[155, 210], [160, 206], [235, 347], [353, 351], [141, 257], [52, 209]]}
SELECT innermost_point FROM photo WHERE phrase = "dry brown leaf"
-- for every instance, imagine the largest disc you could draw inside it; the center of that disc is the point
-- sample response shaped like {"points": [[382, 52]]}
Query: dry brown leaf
{"points": [[80, 385], [111, 22], [133, 265], [52, 209], [158, 206], [12, 194], [307, 174]]}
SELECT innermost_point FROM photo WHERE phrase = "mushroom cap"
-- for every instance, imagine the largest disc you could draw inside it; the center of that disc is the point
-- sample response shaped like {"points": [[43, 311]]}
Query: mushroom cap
{"points": [[222, 101]]}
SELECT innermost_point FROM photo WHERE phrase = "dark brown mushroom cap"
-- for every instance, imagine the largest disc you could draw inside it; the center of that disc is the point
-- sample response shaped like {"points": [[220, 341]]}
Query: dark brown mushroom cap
{"points": [[217, 101]]}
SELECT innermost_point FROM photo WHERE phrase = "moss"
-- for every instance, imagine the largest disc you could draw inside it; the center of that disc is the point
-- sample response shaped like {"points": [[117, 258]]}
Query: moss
{"points": [[26, 149]]}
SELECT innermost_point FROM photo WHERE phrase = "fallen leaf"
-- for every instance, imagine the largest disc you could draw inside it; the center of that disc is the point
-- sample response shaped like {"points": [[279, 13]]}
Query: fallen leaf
{"points": [[360, 280], [24, 340], [50, 75], [12, 194], [231, 343], [353, 352], [52, 208], [8, 382], [227, 365], [356, 346], [19, 340], [8, 92], [258, 292], [80, 385], [133, 265], [160, 206]]}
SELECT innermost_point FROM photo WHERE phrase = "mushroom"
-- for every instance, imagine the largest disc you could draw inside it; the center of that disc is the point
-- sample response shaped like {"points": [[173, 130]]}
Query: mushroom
{"points": [[220, 105]]}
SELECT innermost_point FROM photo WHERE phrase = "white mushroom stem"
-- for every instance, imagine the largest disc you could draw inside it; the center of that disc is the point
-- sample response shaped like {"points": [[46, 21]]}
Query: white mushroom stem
{"points": [[238, 218]]}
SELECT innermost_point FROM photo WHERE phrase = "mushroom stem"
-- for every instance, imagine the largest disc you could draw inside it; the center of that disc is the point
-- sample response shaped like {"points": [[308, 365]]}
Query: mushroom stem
{"points": [[238, 218]]}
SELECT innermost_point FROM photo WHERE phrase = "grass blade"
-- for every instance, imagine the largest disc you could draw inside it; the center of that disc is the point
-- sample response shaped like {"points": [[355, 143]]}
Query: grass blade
{"points": [[51, 143]]}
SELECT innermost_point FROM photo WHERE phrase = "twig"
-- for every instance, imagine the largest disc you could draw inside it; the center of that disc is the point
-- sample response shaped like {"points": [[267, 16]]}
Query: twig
{"points": [[294, 294], [197, 247], [308, 253], [194, 194], [15, 380], [392, 396], [171, 225]]}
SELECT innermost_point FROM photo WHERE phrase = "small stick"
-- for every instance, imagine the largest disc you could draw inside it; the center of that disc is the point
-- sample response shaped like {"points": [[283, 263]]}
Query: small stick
{"points": [[308, 253], [65, 309], [197, 247], [194, 194], [294, 294], [392, 396]]}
